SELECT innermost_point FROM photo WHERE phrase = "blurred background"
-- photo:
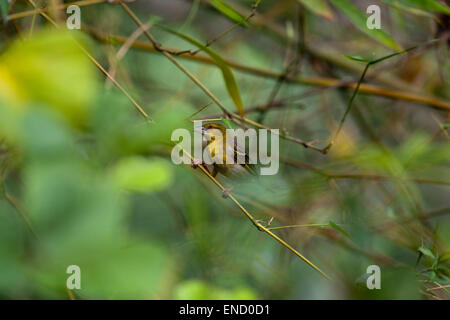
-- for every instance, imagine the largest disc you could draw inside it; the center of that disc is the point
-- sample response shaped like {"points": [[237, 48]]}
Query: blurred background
{"points": [[86, 176]]}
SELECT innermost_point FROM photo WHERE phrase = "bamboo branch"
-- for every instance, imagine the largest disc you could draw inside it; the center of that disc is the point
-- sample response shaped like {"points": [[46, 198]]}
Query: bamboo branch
{"points": [[362, 176], [205, 171], [255, 222], [35, 11], [312, 81]]}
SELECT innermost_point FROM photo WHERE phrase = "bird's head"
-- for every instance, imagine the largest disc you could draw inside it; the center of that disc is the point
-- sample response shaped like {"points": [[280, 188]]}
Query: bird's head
{"points": [[212, 129], [211, 126], [211, 132]]}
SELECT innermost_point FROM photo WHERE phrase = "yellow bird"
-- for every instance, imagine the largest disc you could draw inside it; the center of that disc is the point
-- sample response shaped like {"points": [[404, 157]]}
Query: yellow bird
{"points": [[216, 144]]}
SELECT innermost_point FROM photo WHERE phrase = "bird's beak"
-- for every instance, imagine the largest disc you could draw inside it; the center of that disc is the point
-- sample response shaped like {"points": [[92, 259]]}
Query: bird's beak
{"points": [[200, 130]]}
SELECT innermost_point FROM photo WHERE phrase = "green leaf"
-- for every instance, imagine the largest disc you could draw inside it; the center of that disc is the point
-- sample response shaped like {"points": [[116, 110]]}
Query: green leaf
{"points": [[4, 6], [397, 5], [444, 257], [142, 175], [228, 76], [228, 12], [427, 5], [426, 252], [392, 55], [318, 7], [335, 226], [359, 19], [200, 290], [357, 58], [432, 275], [227, 123]]}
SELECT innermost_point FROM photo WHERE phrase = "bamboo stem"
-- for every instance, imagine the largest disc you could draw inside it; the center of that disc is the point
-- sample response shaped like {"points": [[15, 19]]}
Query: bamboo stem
{"points": [[312, 81]]}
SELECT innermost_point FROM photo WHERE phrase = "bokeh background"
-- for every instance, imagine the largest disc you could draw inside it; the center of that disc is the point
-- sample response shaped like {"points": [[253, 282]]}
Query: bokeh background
{"points": [[86, 180]]}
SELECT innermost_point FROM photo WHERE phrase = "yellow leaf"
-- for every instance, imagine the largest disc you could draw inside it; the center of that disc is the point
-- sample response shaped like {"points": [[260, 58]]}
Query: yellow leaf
{"points": [[49, 70], [344, 145]]}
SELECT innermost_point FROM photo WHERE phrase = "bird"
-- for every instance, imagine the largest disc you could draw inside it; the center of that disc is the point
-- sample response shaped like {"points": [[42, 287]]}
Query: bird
{"points": [[217, 144]]}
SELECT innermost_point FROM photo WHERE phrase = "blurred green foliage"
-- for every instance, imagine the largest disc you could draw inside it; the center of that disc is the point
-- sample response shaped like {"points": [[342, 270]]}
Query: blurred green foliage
{"points": [[85, 180]]}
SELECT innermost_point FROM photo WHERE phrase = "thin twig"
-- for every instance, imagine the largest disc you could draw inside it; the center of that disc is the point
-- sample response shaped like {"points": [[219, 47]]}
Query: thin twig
{"points": [[306, 144], [22, 212], [224, 33], [300, 226], [255, 222], [82, 3], [355, 92], [347, 110], [124, 49], [366, 176]]}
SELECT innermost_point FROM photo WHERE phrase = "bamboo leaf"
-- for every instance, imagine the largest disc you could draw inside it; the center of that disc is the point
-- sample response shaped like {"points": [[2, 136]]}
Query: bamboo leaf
{"points": [[228, 12], [359, 19], [139, 174], [400, 6], [318, 7], [336, 227], [427, 5], [227, 123], [426, 252], [357, 58], [392, 55], [228, 76]]}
